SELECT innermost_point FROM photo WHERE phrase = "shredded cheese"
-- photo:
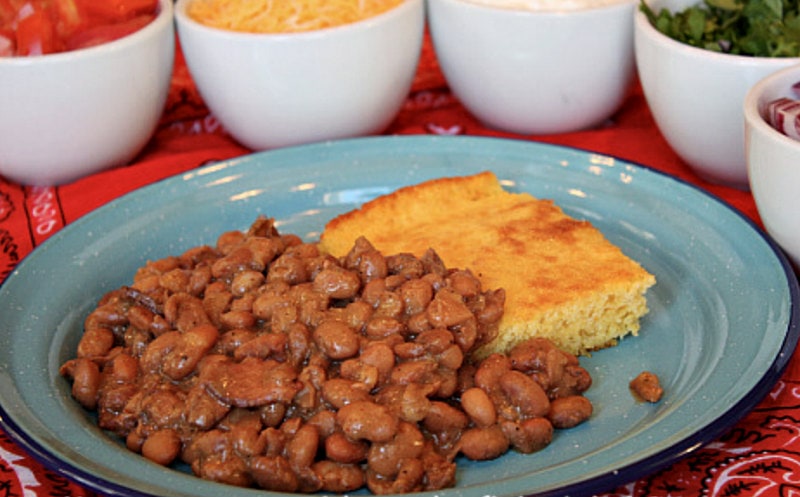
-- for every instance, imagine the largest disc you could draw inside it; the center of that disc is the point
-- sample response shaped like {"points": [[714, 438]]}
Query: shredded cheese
{"points": [[284, 16]]}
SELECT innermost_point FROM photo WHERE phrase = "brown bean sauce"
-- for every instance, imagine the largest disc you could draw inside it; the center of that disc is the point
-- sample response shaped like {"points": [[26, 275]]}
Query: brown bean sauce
{"points": [[262, 362]]}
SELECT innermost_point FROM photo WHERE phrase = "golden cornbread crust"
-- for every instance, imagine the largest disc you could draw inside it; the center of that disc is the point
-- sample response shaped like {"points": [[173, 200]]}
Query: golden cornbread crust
{"points": [[563, 279]]}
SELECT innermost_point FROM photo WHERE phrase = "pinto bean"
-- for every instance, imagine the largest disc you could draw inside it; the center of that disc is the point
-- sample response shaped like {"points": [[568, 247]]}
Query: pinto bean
{"points": [[175, 280], [524, 393], [234, 319], [365, 420], [185, 311], [162, 446], [386, 458], [290, 269], [95, 342], [369, 263], [274, 473], [566, 412], [141, 317], [341, 449], [358, 371], [382, 327], [86, 379], [464, 283], [442, 417], [124, 368], [416, 294], [646, 386], [340, 392], [339, 477], [301, 449], [448, 309], [529, 435], [190, 347], [263, 250], [490, 370], [479, 407], [337, 283], [336, 339], [480, 444]]}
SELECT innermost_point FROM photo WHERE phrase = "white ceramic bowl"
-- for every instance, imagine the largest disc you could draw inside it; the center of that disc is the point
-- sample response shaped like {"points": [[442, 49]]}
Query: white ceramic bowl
{"points": [[535, 72], [274, 90], [69, 114], [696, 97], [773, 162]]}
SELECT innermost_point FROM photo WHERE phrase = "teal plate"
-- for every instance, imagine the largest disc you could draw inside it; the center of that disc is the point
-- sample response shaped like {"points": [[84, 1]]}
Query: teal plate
{"points": [[722, 326]]}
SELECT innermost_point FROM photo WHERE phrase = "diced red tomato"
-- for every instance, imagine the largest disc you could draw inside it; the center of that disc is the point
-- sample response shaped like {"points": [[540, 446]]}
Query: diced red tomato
{"points": [[114, 10], [68, 18], [36, 34], [30, 27], [96, 35]]}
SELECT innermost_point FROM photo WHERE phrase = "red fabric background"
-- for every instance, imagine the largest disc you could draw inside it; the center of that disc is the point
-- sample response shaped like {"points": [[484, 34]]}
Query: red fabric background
{"points": [[759, 456]]}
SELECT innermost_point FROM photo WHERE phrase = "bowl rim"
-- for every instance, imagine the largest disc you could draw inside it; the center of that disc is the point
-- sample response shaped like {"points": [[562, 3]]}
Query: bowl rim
{"points": [[644, 27], [754, 100], [163, 20], [373, 22], [544, 12]]}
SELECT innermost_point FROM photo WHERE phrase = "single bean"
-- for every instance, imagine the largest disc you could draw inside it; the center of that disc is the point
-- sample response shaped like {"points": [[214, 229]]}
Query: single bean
{"points": [[365, 420], [566, 412], [464, 283], [386, 458], [85, 382], [336, 339], [341, 449], [480, 444], [647, 387], [301, 449], [224, 467], [448, 309], [337, 283], [274, 473], [525, 394], [95, 342], [162, 446], [529, 435], [382, 327], [339, 477], [479, 407]]}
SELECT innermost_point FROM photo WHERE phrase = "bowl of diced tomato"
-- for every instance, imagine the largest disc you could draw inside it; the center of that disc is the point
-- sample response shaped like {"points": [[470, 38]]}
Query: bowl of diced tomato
{"points": [[82, 84]]}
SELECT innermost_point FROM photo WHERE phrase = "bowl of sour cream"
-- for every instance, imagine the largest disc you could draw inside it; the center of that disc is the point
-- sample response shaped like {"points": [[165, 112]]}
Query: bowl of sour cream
{"points": [[536, 66]]}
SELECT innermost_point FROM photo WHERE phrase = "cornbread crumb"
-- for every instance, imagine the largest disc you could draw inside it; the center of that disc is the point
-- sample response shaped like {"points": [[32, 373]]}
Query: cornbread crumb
{"points": [[564, 280]]}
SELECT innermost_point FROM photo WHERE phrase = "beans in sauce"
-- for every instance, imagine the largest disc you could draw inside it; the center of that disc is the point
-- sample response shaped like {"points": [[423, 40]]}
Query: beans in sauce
{"points": [[261, 362]]}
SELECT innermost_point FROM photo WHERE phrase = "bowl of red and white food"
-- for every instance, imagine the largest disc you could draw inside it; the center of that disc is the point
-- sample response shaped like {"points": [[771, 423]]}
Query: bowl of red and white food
{"points": [[696, 60], [772, 144], [82, 84]]}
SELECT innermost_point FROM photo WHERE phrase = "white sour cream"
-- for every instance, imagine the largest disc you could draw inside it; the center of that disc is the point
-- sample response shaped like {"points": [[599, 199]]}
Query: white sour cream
{"points": [[546, 5]]}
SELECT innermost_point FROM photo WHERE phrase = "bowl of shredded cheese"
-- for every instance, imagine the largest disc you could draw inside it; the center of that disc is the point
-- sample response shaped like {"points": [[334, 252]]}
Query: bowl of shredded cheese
{"points": [[278, 73]]}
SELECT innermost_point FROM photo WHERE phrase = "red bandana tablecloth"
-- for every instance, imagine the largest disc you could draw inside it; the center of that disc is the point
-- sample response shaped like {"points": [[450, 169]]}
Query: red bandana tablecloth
{"points": [[759, 456]]}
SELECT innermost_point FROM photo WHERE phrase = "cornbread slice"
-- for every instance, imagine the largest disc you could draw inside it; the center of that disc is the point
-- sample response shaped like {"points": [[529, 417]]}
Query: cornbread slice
{"points": [[563, 279]]}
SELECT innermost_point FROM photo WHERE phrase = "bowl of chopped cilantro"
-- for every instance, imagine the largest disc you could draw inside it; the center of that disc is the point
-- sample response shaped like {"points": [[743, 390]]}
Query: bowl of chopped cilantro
{"points": [[696, 60]]}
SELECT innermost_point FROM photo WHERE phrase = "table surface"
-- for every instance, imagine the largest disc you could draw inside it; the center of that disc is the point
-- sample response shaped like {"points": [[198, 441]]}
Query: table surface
{"points": [[759, 456]]}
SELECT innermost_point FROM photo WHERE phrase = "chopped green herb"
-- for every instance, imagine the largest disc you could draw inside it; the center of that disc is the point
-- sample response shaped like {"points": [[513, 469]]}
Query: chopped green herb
{"points": [[760, 28]]}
